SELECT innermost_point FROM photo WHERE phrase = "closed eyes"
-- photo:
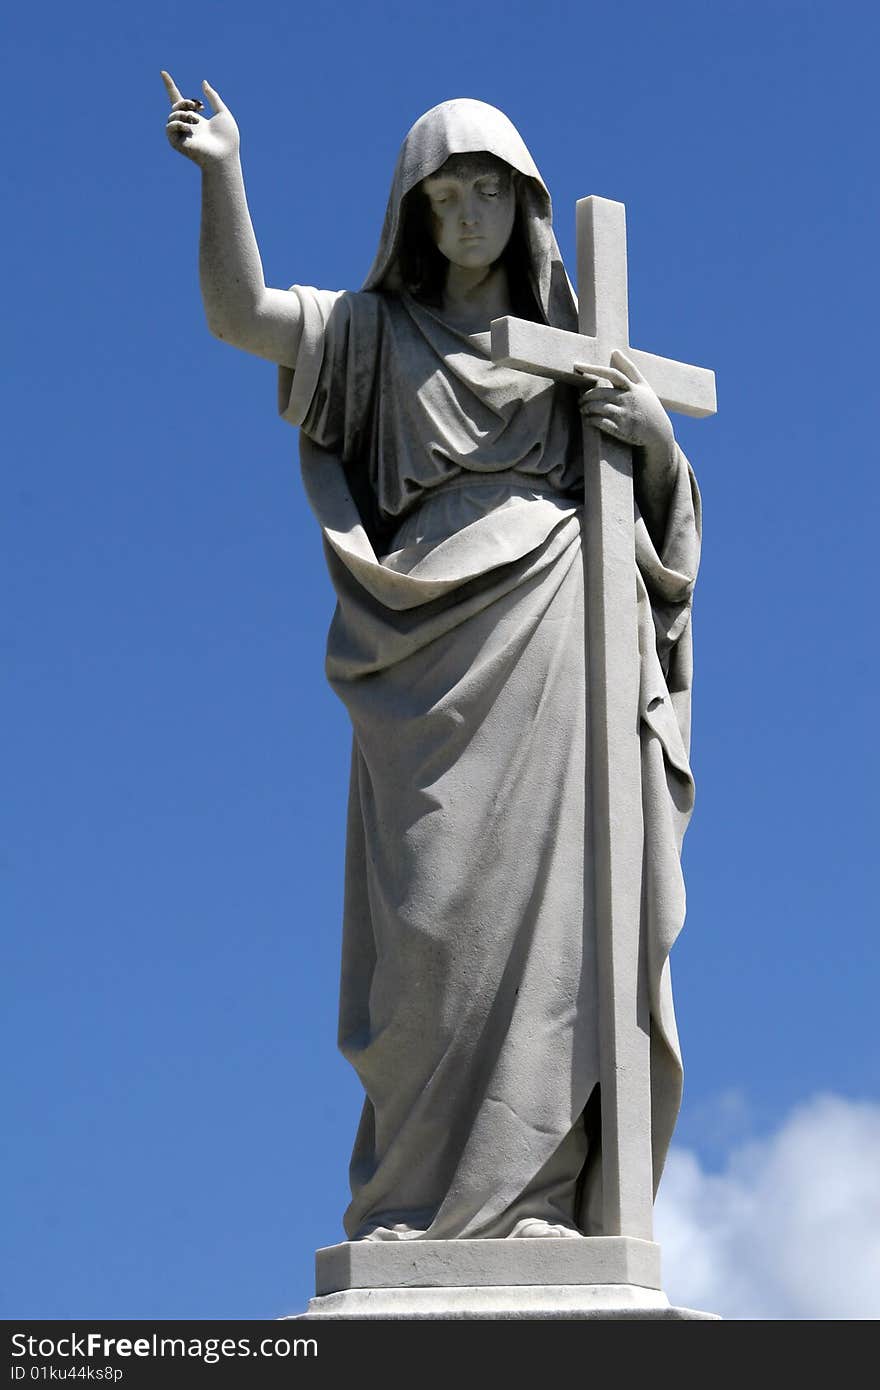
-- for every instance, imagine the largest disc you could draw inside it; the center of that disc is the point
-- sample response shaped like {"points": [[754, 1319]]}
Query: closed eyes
{"points": [[441, 199]]}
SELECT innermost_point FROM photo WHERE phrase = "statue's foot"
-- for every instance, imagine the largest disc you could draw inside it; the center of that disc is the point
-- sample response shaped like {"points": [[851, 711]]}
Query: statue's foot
{"points": [[533, 1226], [399, 1231]]}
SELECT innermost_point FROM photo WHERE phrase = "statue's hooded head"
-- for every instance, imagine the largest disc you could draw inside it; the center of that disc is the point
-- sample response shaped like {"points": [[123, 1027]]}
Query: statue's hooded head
{"points": [[408, 260]]}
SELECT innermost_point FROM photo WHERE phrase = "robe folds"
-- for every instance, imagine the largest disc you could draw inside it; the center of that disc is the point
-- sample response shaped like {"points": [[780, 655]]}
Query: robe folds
{"points": [[449, 492]]}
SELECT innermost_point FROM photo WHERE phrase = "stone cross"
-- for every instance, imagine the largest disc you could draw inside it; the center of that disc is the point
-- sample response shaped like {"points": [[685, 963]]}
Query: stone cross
{"points": [[613, 872]]}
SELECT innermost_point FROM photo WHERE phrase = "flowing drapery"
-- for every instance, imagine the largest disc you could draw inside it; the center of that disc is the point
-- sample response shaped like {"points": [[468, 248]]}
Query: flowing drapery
{"points": [[468, 998]]}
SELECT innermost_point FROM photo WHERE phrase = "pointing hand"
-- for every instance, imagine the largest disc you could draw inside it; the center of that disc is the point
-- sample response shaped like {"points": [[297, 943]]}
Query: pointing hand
{"points": [[205, 141]]}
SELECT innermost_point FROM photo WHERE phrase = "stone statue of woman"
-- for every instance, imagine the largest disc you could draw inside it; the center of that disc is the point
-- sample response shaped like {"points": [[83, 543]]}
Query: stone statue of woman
{"points": [[449, 490]]}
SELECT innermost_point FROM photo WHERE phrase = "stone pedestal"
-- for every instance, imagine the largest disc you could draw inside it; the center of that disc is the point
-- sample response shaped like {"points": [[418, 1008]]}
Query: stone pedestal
{"points": [[566, 1279]]}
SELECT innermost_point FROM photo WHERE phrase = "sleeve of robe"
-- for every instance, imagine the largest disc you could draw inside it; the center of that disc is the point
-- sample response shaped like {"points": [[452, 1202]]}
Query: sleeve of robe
{"points": [[330, 392]]}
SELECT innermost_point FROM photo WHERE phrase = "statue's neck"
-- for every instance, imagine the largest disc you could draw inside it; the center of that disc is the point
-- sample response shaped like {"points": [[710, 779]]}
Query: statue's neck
{"points": [[473, 298]]}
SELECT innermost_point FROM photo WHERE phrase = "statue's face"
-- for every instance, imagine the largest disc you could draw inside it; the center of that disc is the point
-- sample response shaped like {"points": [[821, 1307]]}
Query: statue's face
{"points": [[472, 204]]}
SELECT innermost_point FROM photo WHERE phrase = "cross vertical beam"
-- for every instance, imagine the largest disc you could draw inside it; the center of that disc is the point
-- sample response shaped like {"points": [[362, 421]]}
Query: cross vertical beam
{"points": [[614, 782], [615, 834], [603, 296]]}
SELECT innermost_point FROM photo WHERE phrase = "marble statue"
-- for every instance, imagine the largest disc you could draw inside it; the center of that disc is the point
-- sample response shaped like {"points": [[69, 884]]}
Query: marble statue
{"points": [[450, 491]]}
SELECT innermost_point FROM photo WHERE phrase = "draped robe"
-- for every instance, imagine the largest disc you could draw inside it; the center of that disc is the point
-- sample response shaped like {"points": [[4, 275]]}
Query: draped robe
{"points": [[449, 492]]}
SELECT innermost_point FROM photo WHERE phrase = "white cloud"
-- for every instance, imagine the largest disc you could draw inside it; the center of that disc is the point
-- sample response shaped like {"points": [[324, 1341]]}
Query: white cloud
{"points": [[790, 1228]]}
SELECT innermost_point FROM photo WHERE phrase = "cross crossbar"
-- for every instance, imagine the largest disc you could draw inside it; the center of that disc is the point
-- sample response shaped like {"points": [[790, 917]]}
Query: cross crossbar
{"points": [[550, 352]]}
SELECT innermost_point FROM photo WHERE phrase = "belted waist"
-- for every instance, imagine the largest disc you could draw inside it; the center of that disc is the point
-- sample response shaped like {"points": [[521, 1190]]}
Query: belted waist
{"points": [[527, 482], [429, 521]]}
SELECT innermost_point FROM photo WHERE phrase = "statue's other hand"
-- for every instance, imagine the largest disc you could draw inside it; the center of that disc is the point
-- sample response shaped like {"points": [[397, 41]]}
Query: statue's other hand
{"points": [[204, 141], [631, 411]]}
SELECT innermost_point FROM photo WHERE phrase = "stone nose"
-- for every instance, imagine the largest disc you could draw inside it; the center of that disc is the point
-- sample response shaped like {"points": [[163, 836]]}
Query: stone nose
{"points": [[468, 213]]}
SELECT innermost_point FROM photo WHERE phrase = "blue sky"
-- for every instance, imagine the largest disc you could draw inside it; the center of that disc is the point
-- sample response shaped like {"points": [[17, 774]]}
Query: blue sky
{"points": [[172, 838]]}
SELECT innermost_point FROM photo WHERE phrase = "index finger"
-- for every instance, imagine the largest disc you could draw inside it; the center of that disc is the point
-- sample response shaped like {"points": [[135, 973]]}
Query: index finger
{"points": [[604, 373], [171, 88]]}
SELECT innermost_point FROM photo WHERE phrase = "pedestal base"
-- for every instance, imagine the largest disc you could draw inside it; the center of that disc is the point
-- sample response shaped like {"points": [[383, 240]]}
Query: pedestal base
{"points": [[568, 1279]]}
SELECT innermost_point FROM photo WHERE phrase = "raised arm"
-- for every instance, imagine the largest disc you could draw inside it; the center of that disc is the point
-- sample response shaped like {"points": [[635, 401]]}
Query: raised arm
{"points": [[239, 306]]}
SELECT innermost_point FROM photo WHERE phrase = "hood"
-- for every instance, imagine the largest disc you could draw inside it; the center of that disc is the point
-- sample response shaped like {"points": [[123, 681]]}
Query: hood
{"points": [[464, 126]]}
